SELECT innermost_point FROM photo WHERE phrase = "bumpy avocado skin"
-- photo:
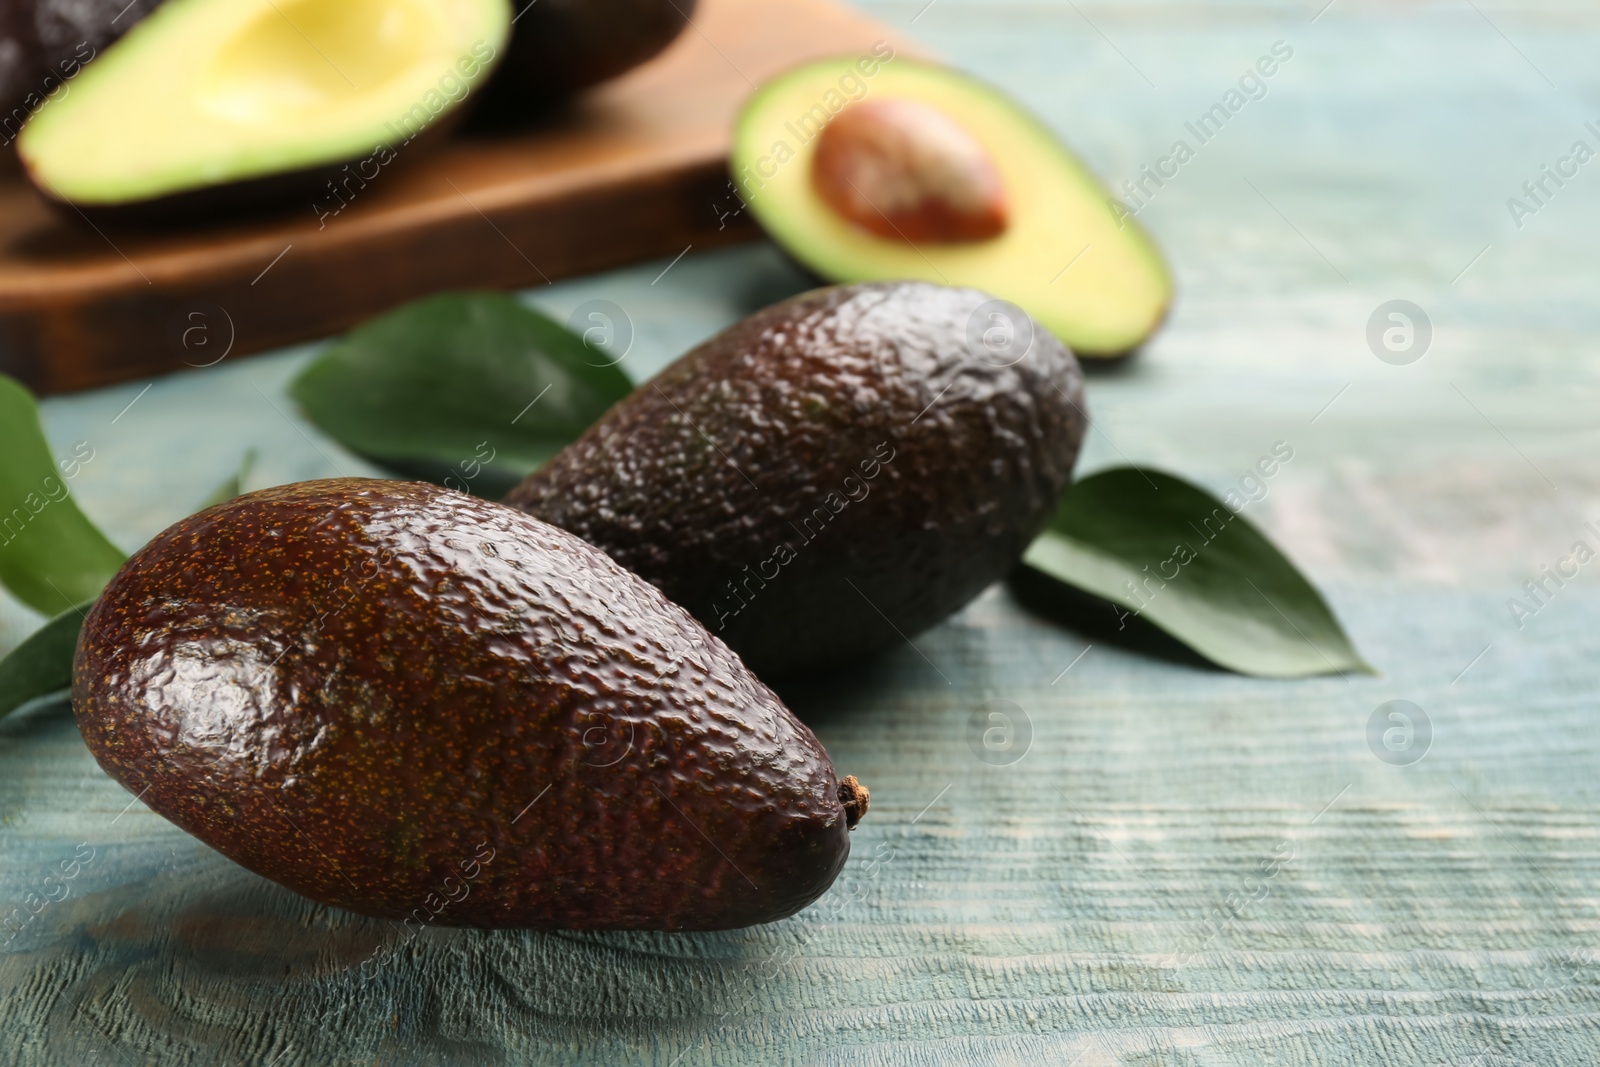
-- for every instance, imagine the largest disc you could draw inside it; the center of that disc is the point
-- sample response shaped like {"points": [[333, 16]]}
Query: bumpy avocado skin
{"points": [[411, 703], [561, 46], [43, 43], [830, 476]]}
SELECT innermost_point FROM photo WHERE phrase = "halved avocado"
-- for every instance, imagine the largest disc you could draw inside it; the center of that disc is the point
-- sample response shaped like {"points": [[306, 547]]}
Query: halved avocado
{"points": [[1063, 252], [207, 102]]}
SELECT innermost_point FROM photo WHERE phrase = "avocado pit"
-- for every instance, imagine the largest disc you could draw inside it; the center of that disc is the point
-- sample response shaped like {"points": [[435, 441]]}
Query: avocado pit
{"points": [[902, 169]]}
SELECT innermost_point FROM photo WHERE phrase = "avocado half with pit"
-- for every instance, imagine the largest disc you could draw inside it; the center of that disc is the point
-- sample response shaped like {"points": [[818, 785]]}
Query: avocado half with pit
{"points": [[880, 167], [215, 103]]}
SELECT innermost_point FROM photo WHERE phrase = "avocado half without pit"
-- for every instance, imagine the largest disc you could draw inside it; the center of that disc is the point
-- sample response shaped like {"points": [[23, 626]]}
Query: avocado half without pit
{"points": [[210, 104], [880, 167]]}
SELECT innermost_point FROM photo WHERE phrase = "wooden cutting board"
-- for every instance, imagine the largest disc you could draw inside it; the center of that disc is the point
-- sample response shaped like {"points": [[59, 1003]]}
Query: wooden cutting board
{"points": [[636, 169]]}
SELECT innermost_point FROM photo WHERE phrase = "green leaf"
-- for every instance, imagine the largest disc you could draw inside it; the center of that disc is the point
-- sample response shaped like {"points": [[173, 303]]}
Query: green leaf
{"points": [[1168, 553], [234, 485], [51, 555], [42, 664], [470, 390]]}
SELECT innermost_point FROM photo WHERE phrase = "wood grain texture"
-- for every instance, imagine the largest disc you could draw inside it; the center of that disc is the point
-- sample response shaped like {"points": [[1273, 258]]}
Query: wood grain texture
{"points": [[634, 170], [1072, 906]]}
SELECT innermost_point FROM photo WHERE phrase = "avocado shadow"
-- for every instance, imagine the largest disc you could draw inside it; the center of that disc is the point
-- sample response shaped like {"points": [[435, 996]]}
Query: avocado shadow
{"points": [[1128, 363], [496, 111], [836, 694]]}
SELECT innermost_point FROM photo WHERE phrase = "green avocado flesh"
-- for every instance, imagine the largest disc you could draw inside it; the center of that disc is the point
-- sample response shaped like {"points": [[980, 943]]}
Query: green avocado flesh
{"points": [[207, 93], [1097, 282], [416, 704]]}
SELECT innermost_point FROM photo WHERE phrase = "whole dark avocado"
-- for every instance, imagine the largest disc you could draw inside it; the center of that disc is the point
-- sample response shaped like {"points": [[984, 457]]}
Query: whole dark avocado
{"points": [[414, 704], [561, 46], [833, 474]]}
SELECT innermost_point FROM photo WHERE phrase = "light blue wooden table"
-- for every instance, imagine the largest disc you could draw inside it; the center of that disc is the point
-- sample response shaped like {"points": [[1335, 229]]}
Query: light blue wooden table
{"points": [[1184, 866]]}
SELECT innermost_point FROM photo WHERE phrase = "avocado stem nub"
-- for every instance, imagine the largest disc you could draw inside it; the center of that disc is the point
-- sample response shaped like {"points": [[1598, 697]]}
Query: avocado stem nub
{"points": [[855, 798]]}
